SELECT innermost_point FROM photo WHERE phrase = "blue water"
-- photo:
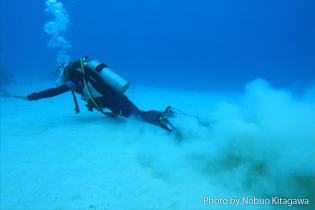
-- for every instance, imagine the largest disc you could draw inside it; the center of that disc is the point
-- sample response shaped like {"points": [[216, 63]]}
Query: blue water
{"points": [[203, 44], [257, 141]]}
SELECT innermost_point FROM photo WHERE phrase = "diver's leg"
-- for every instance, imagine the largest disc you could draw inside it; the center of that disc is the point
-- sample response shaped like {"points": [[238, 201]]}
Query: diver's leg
{"points": [[119, 104], [159, 119], [151, 117]]}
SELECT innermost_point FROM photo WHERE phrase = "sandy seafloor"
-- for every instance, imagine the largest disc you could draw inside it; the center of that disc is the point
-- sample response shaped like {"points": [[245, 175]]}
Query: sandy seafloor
{"points": [[257, 144]]}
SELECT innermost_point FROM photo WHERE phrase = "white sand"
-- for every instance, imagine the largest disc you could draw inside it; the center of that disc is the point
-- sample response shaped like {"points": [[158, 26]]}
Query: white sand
{"points": [[259, 144]]}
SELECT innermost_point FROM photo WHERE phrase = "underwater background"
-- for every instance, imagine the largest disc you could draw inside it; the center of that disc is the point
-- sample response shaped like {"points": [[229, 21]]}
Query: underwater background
{"points": [[242, 71], [183, 44]]}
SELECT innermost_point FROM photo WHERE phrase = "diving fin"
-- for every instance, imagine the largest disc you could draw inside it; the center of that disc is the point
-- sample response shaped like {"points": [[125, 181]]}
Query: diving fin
{"points": [[172, 112], [168, 126]]}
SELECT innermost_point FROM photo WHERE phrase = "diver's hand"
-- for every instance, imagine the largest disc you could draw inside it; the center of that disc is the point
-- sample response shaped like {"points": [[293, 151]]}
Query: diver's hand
{"points": [[22, 97]]}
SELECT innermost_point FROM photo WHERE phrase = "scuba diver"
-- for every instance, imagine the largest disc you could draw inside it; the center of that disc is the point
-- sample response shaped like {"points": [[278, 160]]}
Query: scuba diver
{"points": [[102, 88]]}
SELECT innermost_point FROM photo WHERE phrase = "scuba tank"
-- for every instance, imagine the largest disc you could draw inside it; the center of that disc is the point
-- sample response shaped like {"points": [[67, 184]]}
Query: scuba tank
{"points": [[109, 77]]}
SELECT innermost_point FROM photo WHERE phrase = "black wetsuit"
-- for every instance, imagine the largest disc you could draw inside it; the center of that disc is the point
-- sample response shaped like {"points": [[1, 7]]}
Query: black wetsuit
{"points": [[119, 104]]}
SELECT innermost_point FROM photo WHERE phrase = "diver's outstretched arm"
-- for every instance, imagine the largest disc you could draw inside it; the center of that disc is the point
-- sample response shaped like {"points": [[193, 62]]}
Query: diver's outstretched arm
{"points": [[51, 92], [22, 97]]}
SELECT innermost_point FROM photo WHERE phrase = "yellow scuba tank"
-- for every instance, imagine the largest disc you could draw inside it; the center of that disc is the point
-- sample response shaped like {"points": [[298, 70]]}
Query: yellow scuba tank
{"points": [[109, 77]]}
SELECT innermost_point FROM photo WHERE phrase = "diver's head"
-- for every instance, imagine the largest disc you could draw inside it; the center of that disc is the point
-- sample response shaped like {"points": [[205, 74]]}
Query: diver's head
{"points": [[67, 70], [64, 71]]}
